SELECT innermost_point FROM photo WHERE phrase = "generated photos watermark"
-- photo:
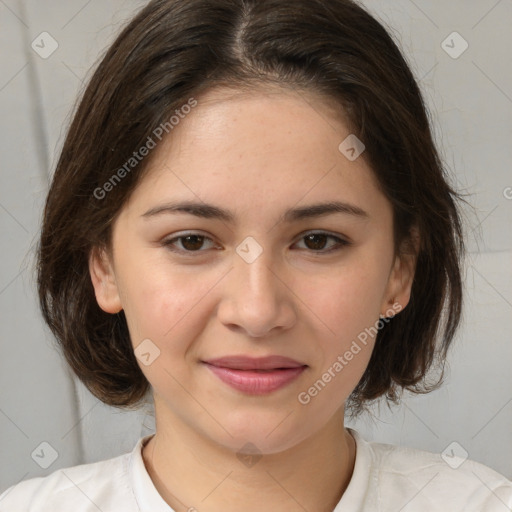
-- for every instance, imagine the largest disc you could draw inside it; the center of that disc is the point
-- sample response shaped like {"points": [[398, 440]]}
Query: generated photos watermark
{"points": [[139, 155], [304, 397]]}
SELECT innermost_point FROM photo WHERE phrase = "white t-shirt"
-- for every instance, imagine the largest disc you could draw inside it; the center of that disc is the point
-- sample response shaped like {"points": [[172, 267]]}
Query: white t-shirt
{"points": [[386, 478]]}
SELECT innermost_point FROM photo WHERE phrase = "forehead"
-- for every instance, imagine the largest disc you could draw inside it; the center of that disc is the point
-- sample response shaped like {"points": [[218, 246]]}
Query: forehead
{"points": [[251, 149]]}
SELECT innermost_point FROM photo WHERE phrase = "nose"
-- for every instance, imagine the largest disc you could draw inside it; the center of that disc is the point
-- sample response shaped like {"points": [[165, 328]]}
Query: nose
{"points": [[256, 299]]}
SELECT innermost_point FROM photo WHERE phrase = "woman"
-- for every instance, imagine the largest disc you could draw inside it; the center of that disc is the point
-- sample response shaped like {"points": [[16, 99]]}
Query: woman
{"points": [[250, 224]]}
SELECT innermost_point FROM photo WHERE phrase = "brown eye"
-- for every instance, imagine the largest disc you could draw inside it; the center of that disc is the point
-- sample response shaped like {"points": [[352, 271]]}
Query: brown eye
{"points": [[317, 242], [190, 243]]}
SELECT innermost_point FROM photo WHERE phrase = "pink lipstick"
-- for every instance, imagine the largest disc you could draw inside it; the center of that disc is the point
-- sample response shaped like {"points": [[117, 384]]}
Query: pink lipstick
{"points": [[256, 376]]}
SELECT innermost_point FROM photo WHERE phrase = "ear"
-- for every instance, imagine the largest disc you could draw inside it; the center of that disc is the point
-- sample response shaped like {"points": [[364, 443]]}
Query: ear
{"points": [[103, 281], [398, 291]]}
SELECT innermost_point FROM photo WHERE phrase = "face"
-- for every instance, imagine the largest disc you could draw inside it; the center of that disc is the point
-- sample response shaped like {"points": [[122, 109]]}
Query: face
{"points": [[217, 295]]}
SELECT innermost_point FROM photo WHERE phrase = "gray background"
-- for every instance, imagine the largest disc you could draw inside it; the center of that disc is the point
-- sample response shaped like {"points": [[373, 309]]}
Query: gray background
{"points": [[471, 102]]}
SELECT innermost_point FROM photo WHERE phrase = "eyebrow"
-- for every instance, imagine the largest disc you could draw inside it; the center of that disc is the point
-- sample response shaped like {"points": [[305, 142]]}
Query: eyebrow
{"points": [[208, 211]]}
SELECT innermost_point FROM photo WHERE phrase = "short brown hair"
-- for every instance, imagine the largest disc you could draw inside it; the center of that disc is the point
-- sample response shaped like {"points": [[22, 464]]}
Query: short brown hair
{"points": [[174, 50]]}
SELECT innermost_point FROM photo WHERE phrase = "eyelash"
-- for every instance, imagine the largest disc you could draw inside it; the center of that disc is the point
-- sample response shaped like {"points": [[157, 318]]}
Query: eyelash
{"points": [[340, 243]]}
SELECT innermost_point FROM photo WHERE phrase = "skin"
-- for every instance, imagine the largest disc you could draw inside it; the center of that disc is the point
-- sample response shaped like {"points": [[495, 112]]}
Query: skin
{"points": [[256, 154]]}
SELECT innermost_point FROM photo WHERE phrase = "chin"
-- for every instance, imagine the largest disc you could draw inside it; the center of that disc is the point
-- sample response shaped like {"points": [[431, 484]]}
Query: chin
{"points": [[268, 433]]}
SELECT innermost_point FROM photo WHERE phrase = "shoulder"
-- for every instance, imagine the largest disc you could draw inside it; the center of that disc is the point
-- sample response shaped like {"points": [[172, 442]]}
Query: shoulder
{"points": [[418, 480], [103, 485]]}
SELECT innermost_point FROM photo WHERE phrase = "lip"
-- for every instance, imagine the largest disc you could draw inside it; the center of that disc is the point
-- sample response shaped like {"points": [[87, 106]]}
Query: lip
{"points": [[256, 376], [241, 362]]}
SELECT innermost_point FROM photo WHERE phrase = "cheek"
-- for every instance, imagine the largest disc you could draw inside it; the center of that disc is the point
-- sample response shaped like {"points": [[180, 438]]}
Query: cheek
{"points": [[163, 307], [349, 298], [348, 304], [165, 304]]}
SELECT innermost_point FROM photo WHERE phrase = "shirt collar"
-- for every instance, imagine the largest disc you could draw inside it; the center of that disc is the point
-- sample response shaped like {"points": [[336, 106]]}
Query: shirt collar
{"points": [[146, 495], [357, 489], [149, 499]]}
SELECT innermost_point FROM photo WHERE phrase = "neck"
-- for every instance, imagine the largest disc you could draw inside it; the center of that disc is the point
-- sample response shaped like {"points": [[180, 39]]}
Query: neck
{"points": [[192, 472]]}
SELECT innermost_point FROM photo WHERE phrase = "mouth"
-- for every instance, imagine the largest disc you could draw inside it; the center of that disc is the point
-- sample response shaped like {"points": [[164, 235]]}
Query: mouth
{"points": [[256, 376]]}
